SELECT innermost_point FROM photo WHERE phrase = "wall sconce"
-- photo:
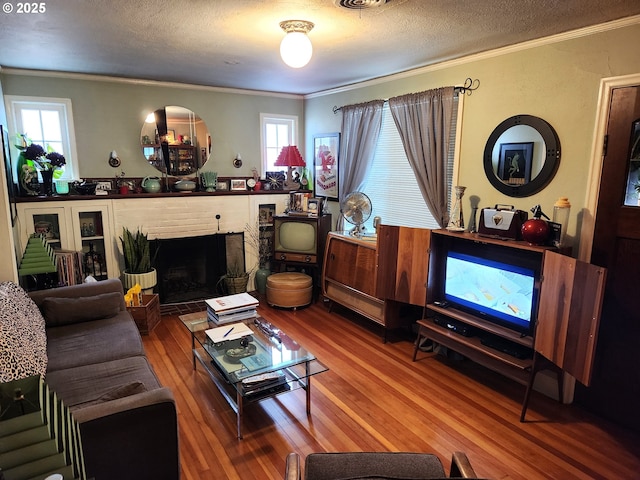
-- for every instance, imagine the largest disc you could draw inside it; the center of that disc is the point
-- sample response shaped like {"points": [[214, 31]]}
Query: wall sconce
{"points": [[237, 162], [290, 157], [114, 159], [296, 48]]}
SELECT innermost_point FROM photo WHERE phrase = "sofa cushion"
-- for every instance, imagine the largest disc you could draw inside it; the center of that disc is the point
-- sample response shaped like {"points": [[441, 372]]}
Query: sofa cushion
{"points": [[63, 311], [93, 342], [23, 342], [79, 385], [119, 391]]}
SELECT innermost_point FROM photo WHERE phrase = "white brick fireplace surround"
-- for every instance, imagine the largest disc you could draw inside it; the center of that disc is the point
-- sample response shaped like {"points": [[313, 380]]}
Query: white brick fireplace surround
{"points": [[191, 216]]}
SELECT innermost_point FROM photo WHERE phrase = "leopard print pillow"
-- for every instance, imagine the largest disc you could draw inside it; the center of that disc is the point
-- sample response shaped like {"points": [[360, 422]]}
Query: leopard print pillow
{"points": [[23, 341]]}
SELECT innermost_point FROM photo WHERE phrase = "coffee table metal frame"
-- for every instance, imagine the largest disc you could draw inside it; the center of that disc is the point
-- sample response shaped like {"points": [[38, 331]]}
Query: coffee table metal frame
{"points": [[297, 365]]}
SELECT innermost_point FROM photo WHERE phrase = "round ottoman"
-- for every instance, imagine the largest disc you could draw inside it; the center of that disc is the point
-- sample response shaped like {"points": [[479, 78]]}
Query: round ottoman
{"points": [[289, 289]]}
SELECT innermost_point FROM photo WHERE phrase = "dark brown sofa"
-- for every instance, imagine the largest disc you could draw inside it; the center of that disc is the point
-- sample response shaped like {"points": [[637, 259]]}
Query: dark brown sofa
{"points": [[97, 366]]}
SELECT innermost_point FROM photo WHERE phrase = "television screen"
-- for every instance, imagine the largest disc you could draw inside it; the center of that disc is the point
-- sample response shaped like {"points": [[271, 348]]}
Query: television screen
{"points": [[295, 236], [501, 292]]}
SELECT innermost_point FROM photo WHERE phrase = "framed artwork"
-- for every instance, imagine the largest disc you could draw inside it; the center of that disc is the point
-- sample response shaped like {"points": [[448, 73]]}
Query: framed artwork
{"points": [[222, 185], [171, 137], [514, 163], [325, 159], [238, 184]]}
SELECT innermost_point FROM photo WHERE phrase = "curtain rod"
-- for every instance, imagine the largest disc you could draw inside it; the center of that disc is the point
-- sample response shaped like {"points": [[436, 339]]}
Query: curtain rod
{"points": [[468, 87]]}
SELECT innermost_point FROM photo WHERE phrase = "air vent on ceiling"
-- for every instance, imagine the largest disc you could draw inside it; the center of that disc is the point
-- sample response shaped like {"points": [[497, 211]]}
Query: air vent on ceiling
{"points": [[359, 4]]}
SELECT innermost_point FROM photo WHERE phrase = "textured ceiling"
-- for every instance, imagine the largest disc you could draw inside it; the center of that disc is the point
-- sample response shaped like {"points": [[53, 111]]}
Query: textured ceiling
{"points": [[235, 43]]}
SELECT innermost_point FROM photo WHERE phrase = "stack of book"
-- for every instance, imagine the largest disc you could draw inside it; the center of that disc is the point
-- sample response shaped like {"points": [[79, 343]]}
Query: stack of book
{"points": [[232, 308]]}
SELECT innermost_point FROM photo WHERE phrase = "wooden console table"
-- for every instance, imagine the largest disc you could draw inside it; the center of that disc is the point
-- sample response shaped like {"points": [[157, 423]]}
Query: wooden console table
{"points": [[376, 276]]}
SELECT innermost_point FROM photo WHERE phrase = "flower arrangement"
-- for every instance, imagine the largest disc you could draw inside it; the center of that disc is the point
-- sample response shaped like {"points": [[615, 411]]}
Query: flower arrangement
{"points": [[37, 157], [34, 158]]}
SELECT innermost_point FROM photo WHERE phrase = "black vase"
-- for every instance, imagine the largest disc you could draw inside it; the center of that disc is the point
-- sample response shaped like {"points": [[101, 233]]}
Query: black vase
{"points": [[47, 182]]}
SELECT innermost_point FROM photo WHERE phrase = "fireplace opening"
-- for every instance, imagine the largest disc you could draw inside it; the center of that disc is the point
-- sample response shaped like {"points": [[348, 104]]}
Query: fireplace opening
{"points": [[190, 268]]}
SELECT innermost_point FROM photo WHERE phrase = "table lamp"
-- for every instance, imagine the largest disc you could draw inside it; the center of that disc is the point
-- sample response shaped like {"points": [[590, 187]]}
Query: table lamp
{"points": [[290, 157]]}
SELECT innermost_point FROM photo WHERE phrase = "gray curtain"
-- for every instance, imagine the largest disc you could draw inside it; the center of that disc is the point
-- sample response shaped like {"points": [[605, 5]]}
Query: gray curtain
{"points": [[424, 123], [361, 125]]}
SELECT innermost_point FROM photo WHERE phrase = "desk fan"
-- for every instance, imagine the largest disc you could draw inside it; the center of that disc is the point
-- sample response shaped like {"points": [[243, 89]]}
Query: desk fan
{"points": [[356, 209]]}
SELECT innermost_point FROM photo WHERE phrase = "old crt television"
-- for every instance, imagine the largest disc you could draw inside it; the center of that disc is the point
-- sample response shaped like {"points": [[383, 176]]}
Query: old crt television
{"points": [[495, 285], [300, 239]]}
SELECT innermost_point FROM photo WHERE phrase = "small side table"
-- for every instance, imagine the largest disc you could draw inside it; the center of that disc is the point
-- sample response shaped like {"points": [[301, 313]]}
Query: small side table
{"points": [[147, 315]]}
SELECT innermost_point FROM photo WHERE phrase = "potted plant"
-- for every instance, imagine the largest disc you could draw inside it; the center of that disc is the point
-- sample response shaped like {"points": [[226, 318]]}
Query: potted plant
{"points": [[137, 260], [235, 280]]}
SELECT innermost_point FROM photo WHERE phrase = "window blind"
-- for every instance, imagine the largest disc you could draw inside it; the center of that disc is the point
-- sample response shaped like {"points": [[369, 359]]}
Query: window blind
{"points": [[391, 185]]}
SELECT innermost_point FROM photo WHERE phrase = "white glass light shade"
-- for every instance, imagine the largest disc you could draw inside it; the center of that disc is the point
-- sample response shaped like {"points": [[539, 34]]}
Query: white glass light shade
{"points": [[296, 49]]}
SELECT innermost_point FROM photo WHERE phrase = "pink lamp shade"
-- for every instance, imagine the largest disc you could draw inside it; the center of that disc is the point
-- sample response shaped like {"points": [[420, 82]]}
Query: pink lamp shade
{"points": [[290, 157]]}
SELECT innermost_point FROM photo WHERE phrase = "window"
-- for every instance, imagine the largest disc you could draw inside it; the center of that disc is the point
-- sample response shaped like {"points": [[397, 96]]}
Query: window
{"points": [[392, 186], [47, 122], [276, 131]]}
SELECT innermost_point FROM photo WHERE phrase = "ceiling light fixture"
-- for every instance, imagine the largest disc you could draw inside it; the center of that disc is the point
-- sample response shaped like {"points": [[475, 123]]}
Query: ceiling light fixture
{"points": [[296, 48]]}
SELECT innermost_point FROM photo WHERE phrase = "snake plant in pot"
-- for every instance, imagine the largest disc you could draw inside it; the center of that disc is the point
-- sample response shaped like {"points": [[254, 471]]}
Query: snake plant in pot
{"points": [[137, 260]]}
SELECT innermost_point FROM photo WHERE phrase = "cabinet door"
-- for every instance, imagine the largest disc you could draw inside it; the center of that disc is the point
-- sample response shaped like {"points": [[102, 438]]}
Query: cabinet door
{"points": [[50, 221], [569, 313], [92, 232], [341, 256], [403, 264]]}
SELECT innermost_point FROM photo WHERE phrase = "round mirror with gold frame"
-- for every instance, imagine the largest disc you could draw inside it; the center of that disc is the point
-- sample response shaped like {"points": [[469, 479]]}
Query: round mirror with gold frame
{"points": [[175, 141], [522, 155]]}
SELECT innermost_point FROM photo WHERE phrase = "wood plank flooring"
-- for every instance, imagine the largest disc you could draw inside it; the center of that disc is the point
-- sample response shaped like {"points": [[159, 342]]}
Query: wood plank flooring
{"points": [[374, 398]]}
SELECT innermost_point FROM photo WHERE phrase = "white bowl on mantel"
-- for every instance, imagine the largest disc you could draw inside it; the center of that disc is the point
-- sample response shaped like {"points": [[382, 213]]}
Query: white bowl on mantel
{"points": [[185, 186]]}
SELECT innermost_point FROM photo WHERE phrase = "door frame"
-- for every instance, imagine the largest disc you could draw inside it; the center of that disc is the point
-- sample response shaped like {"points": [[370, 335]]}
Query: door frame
{"points": [[595, 167]]}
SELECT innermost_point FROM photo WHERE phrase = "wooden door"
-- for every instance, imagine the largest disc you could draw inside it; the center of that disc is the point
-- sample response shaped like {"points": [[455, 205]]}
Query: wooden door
{"points": [[403, 264], [569, 314], [615, 386]]}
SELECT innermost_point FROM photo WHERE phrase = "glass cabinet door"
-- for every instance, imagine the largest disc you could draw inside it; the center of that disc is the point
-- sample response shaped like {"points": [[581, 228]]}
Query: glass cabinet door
{"points": [[91, 230], [632, 194], [50, 222]]}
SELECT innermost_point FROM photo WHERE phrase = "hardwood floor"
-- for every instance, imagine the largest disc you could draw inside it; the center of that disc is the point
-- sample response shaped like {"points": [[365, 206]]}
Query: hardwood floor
{"points": [[374, 398]]}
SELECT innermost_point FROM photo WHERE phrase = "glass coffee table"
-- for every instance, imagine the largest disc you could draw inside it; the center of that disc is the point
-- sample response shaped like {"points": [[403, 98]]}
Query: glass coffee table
{"points": [[257, 366]]}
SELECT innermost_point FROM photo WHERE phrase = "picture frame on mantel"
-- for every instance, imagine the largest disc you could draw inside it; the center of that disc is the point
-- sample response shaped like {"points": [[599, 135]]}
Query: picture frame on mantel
{"points": [[326, 148], [238, 184]]}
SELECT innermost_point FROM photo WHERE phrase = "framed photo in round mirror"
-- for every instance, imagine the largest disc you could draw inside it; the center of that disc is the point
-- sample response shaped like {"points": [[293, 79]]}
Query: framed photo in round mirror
{"points": [[522, 155]]}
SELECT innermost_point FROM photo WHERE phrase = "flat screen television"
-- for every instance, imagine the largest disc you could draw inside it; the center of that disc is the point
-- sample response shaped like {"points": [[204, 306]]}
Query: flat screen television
{"points": [[495, 285]]}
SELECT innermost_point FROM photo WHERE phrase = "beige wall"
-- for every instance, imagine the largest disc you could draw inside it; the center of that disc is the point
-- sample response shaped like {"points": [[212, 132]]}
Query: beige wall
{"points": [[108, 115], [558, 82]]}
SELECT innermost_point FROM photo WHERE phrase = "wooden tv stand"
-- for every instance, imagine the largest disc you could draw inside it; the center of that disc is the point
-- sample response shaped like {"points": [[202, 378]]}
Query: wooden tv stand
{"points": [[472, 347], [565, 327]]}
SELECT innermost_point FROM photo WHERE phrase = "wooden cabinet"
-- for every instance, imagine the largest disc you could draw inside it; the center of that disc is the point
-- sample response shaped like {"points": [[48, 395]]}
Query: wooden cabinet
{"points": [[80, 226], [377, 277], [566, 313]]}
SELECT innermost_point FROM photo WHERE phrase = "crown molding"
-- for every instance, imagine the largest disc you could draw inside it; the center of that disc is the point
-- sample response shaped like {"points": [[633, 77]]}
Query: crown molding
{"points": [[142, 82], [454, 62]]}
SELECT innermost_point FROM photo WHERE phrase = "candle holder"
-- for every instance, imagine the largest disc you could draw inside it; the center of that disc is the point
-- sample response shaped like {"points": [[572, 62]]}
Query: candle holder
{"points": [[456, 218]]}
